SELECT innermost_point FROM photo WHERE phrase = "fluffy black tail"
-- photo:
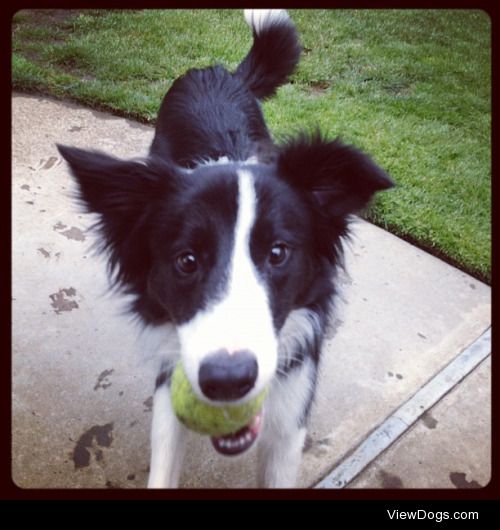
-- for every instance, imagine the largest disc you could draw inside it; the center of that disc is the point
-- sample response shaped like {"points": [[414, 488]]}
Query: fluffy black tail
{"points": [[274, 54]]}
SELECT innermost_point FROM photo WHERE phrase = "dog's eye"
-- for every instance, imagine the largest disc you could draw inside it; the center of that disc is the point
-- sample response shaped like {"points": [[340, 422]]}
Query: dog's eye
{"points": [[278, 254], [186, 263]]}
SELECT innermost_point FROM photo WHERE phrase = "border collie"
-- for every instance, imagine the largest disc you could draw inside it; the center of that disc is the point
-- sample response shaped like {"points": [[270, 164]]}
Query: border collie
{"points": [[229, 244]]}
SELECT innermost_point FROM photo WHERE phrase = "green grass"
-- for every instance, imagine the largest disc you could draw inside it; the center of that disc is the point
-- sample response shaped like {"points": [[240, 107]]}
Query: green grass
{"points": [[410, 87]]}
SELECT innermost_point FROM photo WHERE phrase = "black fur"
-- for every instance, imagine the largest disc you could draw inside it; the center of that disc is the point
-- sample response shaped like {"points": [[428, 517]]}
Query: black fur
{"points": [[154, 211], [150, 209], [208, 114], [273, 57]]}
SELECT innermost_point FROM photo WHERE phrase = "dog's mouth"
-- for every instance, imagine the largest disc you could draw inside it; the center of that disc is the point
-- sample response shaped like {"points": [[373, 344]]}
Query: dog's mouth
{"points": [[238, 442]]}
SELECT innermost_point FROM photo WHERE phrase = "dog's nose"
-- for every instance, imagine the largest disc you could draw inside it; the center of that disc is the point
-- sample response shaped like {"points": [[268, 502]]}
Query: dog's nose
{"points": [[225, 377]]}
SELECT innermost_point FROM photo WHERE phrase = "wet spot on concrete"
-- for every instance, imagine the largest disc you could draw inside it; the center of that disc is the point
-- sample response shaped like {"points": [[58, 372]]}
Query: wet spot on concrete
{"points": [[75, 128], [102, 435], [103, 381], [47, 164], [421, 335], [60, 303], [29, 202], [133, 423], [390, 374], [459, 480], [148, 404], [472, 286], [44, 252], [399, 376], [59, 226], [428, 420], [388, 480], [131, 477], [72, 233], [25, 187]]}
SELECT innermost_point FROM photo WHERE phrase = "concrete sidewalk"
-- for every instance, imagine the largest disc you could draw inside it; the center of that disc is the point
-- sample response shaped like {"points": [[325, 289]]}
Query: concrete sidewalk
{"points": [[82, 394]]}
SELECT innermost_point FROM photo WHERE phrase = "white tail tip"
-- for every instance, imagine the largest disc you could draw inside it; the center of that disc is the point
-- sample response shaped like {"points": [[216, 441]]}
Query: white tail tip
{"points": [[258, 19]]}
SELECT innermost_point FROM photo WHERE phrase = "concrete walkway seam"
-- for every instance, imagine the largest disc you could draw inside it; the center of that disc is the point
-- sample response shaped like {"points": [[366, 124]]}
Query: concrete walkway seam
{"points": [[406, 415]]}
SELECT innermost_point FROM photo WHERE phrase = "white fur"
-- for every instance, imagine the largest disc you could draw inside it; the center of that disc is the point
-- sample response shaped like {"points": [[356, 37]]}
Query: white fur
{"points": [[168, 443], [221, 161], [279, 459], [212, 162], [242, 319], [299, 329], [258, 19], [280, 443], [282, 438], [159, 344]]}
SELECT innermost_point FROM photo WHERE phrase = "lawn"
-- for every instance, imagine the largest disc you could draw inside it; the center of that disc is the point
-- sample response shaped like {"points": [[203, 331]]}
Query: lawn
{"points": [[411, 87]]}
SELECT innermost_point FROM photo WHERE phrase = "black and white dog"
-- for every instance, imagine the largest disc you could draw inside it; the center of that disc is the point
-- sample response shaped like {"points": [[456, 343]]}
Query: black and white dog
{"points": [[229, 245]]}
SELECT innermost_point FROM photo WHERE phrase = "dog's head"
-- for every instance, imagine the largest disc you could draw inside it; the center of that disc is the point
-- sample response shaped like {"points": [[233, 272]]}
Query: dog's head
{"points": [[227, 251]]}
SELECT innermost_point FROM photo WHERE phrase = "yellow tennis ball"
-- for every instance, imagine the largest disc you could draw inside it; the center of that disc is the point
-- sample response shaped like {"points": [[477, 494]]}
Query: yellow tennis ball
{"points": [[207, 419]]}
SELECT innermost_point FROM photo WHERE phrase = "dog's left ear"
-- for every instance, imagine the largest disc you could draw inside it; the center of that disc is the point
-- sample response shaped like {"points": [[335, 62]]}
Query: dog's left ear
{"points": [[339, 179]]}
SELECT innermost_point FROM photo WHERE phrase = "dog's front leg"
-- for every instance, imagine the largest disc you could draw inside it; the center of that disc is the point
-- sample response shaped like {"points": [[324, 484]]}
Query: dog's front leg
{"points": [[284, 427], [168, 442], [279, 457]]}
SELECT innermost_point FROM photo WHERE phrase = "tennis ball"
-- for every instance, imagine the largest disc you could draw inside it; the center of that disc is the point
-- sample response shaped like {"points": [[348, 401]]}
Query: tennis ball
{"points": [[207, 419]]}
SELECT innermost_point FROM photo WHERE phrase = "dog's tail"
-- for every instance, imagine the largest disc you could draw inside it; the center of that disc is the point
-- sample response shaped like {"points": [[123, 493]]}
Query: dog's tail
{"points": [[274, 54]]}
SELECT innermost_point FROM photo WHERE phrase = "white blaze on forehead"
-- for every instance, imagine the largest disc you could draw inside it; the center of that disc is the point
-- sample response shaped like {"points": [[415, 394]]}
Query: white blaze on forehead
{"points": [[242, 318]]}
